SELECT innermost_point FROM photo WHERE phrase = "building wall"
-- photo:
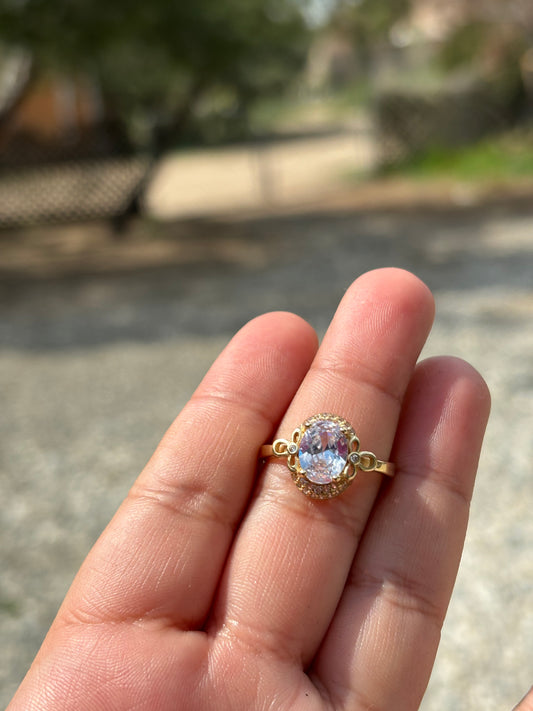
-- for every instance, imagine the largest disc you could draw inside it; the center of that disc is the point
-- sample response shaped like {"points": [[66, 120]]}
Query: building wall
{"points": [[55, 107]]}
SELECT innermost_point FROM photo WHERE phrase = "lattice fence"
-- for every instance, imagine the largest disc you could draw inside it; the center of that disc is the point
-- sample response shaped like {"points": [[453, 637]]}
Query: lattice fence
{"points": [[409, 123], [71, 182]]}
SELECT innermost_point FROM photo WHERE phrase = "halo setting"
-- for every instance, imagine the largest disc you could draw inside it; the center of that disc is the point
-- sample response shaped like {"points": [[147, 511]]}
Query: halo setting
{"points": [[323, 456]]}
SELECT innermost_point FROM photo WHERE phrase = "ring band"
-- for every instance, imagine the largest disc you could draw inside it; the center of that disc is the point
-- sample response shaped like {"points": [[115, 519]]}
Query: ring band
{"points": [[324, 456]]}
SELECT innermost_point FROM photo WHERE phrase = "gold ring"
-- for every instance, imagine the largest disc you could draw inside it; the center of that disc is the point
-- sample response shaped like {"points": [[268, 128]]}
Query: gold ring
{"points": [[324, 456]]}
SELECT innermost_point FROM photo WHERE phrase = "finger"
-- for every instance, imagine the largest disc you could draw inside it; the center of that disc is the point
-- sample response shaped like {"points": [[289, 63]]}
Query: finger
{"points": [[380, 648], [287, 569], [162, 554], [527, 702]]}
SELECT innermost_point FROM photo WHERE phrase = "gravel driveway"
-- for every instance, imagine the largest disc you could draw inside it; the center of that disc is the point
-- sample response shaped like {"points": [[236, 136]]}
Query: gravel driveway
{"points": [[97, 360]]}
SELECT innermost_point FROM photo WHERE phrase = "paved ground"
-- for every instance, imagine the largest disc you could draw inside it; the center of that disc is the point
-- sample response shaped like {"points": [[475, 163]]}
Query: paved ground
{"points": [[99, 354]]}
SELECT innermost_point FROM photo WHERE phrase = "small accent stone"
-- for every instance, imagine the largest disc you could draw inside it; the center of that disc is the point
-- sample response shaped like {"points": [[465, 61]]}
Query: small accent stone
{"points": [[354, 458], [292, 448], [323, 452]]}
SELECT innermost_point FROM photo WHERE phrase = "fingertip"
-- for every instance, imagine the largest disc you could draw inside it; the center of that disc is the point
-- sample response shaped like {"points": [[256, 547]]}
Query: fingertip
{"points": [[276, 334], [397, 292], [451, 372], [284, 324], [393, 280], [443, 419]]}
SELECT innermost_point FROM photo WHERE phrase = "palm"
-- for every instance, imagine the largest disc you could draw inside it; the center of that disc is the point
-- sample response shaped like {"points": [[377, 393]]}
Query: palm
{"points": [[218, 587]]}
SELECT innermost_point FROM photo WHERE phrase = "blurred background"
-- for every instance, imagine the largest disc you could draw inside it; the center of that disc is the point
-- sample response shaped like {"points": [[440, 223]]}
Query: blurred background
{"points": [[170, 170]]}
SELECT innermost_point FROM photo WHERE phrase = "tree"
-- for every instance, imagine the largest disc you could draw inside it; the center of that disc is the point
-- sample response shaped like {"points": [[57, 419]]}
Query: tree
{"points": [[161, 59], [368, 22], [494, 49]]}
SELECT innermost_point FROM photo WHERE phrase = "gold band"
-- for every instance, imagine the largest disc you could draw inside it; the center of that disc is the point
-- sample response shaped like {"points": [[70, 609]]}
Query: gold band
{"points": [[324, 456]]}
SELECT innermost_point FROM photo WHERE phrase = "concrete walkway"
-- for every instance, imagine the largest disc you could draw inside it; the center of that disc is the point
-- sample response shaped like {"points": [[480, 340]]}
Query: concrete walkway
{"points": [[206, 182]]}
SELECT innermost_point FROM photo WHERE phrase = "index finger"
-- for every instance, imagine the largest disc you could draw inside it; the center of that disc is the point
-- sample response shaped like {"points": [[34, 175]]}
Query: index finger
{"points": [[162, 554]]}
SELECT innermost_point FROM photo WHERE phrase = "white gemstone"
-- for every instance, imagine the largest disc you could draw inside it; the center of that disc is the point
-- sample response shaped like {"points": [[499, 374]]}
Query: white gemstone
{"points": [[323, 452]]}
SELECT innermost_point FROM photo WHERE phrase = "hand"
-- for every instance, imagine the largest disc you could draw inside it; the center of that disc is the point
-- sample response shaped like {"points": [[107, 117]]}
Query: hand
{"points": [[218, 585]]}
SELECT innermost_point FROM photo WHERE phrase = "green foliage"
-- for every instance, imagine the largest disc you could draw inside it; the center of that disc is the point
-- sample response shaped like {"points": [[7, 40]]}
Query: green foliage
{"points": [[506, 157], [465, 45], [494, 51], [368, 21], [163, 56]]}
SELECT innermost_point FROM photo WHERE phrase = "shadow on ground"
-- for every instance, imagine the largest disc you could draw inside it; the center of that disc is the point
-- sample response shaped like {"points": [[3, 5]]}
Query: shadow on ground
{"points": [[72, 287]]}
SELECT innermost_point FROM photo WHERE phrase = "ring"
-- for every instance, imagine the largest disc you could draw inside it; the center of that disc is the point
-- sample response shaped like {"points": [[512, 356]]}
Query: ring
{"points": [[324, 456]]}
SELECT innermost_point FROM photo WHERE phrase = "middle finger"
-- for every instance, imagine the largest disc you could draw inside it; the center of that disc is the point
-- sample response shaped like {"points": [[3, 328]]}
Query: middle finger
{"points": [[288, 566]]}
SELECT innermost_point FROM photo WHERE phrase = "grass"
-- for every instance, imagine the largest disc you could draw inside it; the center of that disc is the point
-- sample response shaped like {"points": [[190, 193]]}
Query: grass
{"points": [[492, 159]]}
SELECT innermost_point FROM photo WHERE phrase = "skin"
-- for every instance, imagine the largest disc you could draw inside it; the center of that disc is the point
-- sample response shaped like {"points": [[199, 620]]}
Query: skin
{"points": [[527, 703], [219, 585]]}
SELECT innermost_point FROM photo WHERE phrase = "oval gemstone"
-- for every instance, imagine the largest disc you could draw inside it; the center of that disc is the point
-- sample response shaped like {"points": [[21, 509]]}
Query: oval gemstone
{"points": [[323, 452]]}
